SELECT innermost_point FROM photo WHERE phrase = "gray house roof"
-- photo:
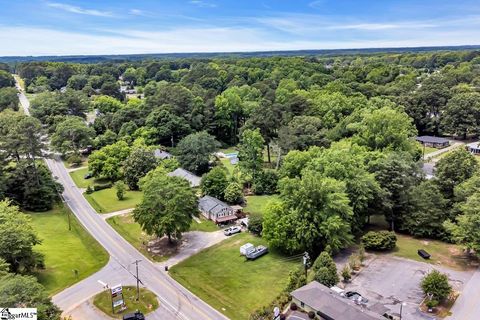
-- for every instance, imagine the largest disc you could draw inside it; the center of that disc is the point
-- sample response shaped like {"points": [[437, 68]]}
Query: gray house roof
{"points": [[160, 154], [330, 304], [431, 139], [474, 145], [212, 205], [187, 175]]}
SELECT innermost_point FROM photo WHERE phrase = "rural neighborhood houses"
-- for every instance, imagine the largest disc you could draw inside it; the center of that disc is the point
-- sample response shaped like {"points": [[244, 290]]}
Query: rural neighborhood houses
{"points": [[187, 175], [434, 142], [216, 210], [328, 304]]}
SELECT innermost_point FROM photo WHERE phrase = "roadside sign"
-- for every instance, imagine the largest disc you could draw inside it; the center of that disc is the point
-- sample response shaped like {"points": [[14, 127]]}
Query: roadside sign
{"points": [[117, 303], [116, 289]]}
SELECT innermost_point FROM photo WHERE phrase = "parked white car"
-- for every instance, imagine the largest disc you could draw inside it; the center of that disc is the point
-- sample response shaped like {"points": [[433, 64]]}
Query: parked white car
{"points": [[232, 230]]}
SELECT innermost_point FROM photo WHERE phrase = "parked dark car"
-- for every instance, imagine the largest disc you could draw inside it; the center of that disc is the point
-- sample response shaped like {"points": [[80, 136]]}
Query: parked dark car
{"points": [[424, 254], [134, 316], [88, 175]]}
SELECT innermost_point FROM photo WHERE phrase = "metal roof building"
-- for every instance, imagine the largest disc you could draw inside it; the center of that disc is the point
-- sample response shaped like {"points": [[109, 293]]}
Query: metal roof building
{"points": [[329, 305], [187, 175], [430, 141]]}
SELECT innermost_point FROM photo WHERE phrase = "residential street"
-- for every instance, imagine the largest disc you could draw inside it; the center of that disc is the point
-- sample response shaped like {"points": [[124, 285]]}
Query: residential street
{"points": [[175, 301]]}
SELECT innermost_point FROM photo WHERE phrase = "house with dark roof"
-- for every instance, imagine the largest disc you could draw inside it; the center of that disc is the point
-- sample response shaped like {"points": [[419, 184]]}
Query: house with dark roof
{"points": [[434, 142], [162, 155], [187, 175], [329, 305], [216, 210]]}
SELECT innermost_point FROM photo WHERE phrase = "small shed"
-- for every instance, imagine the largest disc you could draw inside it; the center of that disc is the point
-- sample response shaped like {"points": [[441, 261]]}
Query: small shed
{"points": [[474, 147], [162, 155], [434, 142], [246, 248]]}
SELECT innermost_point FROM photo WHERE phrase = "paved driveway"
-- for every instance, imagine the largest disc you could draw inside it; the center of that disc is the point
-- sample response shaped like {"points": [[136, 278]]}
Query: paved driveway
{"points": [[389, 281]]}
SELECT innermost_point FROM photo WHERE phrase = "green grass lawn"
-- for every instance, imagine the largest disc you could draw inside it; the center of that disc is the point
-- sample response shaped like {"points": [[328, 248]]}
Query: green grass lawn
{"points": [[65, 250], [81, 182], [235, 287], [78, 175], [257, 204], [442, 253], [230, 167], [147, 303], [105, 201], [132, 232], [206, 225]]}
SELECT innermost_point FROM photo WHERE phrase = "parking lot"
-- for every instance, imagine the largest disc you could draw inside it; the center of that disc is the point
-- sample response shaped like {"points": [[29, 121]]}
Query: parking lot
{"points": [[390, 281]]}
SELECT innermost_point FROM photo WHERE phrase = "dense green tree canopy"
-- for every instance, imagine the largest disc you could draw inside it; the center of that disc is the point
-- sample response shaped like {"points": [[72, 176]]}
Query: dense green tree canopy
{"points": [[195, 150], [167, 207], [71, 135], [314, 211]]}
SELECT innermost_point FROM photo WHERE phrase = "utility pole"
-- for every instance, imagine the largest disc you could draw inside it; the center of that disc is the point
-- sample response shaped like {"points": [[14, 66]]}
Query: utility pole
{"points": [[306, 262], [138, 279]]}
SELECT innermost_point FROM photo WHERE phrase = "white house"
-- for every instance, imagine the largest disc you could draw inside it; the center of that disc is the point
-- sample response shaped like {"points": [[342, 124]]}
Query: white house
{"points": [[187, 175]]}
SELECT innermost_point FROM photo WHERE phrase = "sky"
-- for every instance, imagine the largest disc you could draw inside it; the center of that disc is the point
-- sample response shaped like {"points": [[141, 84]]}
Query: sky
{"points": [[61, 27]]}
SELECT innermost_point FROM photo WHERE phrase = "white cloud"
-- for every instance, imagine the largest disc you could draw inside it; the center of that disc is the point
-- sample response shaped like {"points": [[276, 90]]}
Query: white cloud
{"points": [[203, 4], [136, 12], [316, 4], [79, 10], [379, 26], [43, 41]]}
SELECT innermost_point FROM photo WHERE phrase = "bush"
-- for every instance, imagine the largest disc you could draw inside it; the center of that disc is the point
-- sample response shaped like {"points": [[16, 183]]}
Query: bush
{"points": [[99, 187], [431, 303], [265, 182], [214, 183], [324, 260], [293, 306], [255, 224], [436, 284], [326, 276], [346, 275], [296, 279], [74, 159], [120, 186], [353, 262], [233, 193], [89, 190], [379, 240], [311, 314]]}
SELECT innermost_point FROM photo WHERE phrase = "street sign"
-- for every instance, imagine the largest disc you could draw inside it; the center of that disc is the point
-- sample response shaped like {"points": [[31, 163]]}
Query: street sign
{"points": [[116, 289], [117, 303]]}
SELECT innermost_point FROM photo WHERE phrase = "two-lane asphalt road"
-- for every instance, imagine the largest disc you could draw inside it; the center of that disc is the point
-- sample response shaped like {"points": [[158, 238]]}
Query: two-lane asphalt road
{"points": [[175, 301]]}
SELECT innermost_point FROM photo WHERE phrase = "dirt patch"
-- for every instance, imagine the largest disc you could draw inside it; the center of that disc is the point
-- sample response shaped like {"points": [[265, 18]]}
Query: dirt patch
{"points": [[163, 248]]}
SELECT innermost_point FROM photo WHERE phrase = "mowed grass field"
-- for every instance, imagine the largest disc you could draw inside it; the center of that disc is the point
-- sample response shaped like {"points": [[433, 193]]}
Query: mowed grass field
{"points": [[64, 250], [105, 201], [229, 283], [442, 253], [132, 232], [257, 204], [80, 181]]}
